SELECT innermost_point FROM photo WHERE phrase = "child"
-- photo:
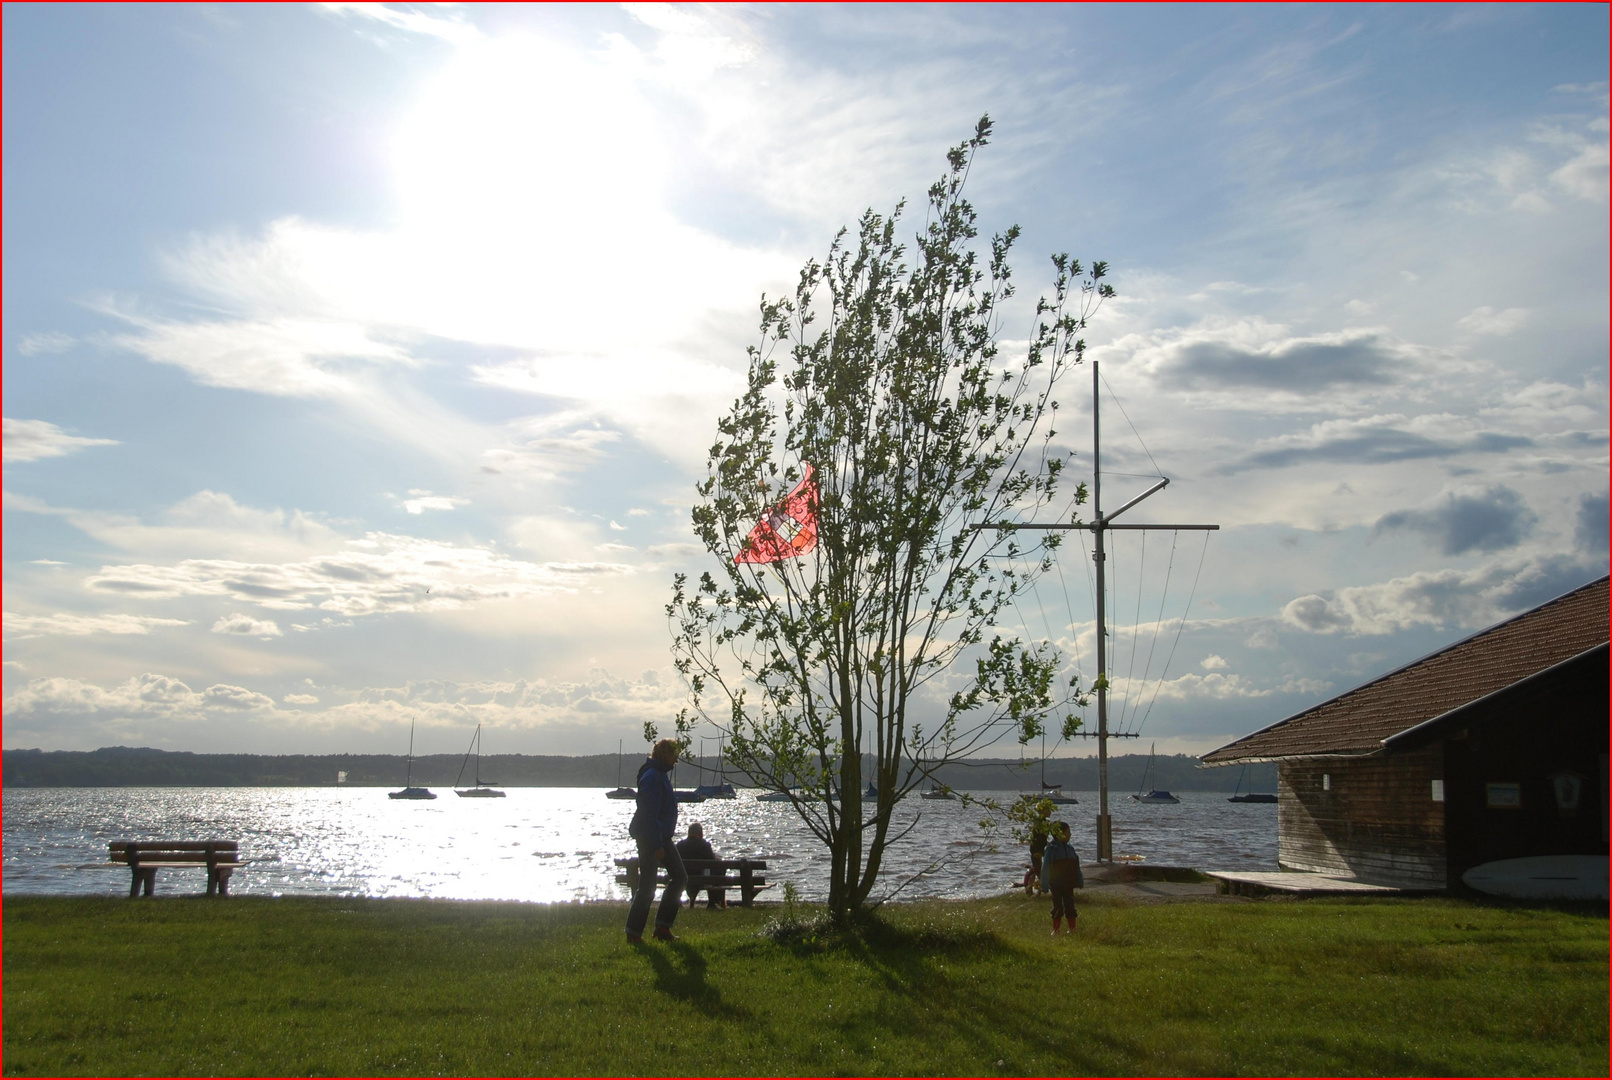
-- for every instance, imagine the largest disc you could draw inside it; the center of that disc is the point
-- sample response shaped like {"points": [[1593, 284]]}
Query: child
{"points": [[1060, 870]]}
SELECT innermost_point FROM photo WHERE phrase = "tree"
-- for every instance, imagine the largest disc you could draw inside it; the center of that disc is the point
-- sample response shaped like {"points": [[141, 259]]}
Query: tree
{"points": [[898, 428]]}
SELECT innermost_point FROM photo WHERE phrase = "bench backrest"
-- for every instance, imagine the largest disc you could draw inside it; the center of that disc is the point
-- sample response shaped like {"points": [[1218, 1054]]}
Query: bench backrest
{"points": [[172, 851]]}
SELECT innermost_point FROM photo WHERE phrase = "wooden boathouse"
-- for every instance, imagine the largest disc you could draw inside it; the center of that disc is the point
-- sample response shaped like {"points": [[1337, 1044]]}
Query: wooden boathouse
{"points": [[1492, 748]]}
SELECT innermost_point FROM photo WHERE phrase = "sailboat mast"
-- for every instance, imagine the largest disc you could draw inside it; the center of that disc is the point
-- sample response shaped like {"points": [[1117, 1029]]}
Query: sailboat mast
{"points": [[1104, 824], [408, 776]]}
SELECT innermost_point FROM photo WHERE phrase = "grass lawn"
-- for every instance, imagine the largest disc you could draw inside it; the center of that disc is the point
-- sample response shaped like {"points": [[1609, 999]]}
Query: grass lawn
{"points": [[183, 985]]}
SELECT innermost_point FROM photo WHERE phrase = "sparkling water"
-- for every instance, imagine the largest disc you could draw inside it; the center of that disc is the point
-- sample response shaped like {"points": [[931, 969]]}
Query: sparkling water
{"points": [[549, 844]]}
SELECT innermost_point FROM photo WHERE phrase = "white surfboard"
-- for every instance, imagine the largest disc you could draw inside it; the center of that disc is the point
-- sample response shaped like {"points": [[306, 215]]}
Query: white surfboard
{"points": [[1542, 877]]}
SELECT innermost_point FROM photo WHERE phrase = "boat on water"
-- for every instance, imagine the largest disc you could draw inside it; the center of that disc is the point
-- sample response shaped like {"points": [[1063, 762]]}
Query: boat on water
{"points": [[938, 790], [481, 790], [1239, 795], [774, 796], [688, 795], [871, 794], [1154, 795], [1052, 793], [409, 790], [620, 792], [721, 789]]}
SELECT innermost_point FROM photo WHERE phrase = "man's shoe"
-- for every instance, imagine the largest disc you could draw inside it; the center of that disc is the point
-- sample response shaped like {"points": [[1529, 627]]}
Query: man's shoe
{"points": [[664, 933], [635, 939]]}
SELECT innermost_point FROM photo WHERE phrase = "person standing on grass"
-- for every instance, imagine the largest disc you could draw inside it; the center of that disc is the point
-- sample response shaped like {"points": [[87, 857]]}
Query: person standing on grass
{"points": [[654, 824], [1060, 871]]}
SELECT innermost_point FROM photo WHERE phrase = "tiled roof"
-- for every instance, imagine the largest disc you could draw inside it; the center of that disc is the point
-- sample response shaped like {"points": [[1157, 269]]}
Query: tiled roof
{"points": [[1358, 721]]}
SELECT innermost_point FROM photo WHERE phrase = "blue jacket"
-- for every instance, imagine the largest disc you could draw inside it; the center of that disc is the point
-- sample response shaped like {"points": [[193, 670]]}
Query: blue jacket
{"points": [[1060, 866], [656, 816]]}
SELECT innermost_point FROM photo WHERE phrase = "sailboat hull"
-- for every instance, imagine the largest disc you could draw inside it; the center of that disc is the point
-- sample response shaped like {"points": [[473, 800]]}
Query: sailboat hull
{"points": [[479, 793], [412, 793], [622, 793]]}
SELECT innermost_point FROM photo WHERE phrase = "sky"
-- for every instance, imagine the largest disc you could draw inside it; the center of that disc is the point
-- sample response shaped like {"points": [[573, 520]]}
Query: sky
{"points": [[360, 360]]}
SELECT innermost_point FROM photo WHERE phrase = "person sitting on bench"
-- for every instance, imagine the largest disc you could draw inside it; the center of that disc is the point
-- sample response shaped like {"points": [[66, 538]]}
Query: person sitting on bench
{"points": [[696, 846]]}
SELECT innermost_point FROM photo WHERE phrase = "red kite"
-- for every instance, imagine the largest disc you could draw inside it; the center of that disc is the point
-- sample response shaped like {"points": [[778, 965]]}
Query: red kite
{"points": [[788, 530]]}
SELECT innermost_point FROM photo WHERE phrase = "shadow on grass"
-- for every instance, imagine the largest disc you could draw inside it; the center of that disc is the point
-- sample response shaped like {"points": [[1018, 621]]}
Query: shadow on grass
{"points": [[680, 973], [910, 957]]}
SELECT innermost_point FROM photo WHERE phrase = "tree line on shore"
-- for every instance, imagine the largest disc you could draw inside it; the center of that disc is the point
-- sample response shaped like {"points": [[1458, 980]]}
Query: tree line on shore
{"points": [[123, 766]]}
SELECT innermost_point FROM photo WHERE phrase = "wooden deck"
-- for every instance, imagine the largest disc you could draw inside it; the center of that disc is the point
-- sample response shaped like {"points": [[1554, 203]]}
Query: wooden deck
{"points": [[1292, 882]]}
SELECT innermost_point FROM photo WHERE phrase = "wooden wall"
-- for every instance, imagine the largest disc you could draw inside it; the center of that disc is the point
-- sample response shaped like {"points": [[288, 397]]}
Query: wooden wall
{"points": [[1378, 822]]}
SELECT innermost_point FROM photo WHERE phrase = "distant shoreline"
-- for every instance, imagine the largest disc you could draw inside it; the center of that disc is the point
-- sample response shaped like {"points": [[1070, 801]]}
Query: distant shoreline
{"points": [[121, 766]]}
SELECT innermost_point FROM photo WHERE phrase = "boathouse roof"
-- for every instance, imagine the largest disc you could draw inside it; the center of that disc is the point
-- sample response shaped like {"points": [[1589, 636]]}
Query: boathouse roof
{"points": [[1366, 720]]}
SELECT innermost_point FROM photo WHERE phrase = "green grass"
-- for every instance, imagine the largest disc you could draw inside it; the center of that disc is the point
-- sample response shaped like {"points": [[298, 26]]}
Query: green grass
{"points": [[341, 986]]}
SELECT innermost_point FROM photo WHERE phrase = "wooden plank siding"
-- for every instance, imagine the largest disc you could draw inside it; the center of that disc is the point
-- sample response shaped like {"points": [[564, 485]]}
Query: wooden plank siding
{"points": [[1378, 822]]}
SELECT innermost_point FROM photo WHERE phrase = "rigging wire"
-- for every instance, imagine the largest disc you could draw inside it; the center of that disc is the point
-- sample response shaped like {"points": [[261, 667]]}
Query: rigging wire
{"points": [[1158, 623], [1127, 416], [1179, 627], [1129, 705]]}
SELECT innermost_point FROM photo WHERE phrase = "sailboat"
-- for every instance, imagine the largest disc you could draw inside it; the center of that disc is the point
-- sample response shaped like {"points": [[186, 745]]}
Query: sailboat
{"points": [[481, 790], [620, 792], [1154, 795], [1252, 796], [721, 789], [937, 790], [409, 790], [1053, 793]]}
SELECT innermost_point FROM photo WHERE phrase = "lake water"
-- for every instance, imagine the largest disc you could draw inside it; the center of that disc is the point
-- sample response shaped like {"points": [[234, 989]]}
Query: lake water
{"points": [[552, 844]]}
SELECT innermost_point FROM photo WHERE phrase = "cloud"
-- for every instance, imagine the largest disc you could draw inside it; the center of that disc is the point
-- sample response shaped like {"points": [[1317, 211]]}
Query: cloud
{"points": [[1376, 440], [1486, 320], [409, 19], [1590, 527], [148, 695], [1213, 662], [1219, 687], [18, 627], [208, 521], [246, 626], [379, 574], [49, 342], [1297, 365], [30, 440], [1465, 519], [601, 699], [1469, 599], [424, 500], [284, 357]]}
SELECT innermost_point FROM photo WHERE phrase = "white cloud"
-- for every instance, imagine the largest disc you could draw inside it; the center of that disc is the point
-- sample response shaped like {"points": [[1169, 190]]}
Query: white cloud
{"points": [[1213, 662], [246, 626], [379, 574], [49, 342], [300, 699], [30, 440], [410, 19], [209, 522], [1486, 320], [148, 695], [1466, 599], [424, 500], [286, 357], [18, 627]]}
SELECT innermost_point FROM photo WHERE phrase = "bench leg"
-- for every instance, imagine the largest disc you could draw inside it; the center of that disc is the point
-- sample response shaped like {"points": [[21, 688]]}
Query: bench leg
{"points": [[223, 880], [142, 876]]}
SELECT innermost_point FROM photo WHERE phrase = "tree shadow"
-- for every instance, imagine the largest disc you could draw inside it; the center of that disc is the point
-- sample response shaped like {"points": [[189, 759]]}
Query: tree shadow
{"points": [[911, 964]]}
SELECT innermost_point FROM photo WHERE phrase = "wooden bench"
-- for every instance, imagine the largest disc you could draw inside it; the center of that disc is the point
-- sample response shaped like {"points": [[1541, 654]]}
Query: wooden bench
{"points": [[145, 857], [718, 874]]}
